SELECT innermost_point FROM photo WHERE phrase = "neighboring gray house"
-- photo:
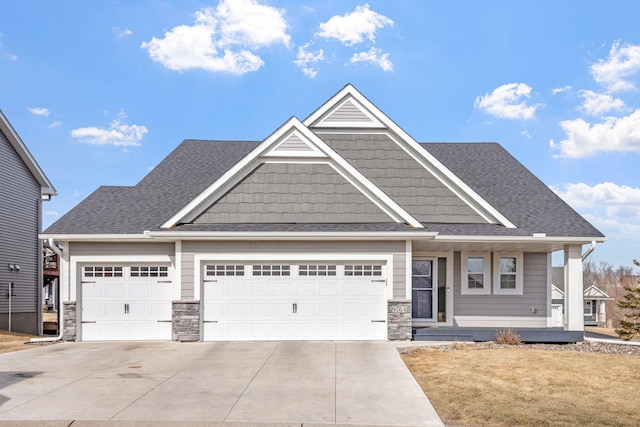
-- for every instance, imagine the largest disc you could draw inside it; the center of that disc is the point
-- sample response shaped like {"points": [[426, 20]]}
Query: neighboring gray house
{"points": [[338, 227], [23, 188], [595, 309]]}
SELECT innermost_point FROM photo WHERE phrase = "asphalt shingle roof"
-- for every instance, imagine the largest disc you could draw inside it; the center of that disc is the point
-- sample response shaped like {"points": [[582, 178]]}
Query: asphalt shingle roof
{"points": [[196, 164]]}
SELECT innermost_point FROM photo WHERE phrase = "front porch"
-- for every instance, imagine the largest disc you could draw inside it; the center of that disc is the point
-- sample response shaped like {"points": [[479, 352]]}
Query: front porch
{"points": [[527, 335]]}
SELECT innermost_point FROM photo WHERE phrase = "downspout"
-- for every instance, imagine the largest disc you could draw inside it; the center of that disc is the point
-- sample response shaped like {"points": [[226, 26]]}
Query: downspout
{"points": [[58, 252], [591, 249]]}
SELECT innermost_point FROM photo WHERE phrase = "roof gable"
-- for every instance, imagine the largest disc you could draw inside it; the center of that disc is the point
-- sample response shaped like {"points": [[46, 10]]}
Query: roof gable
{"points": [[46, 188], [320, 121], [292, 142]]}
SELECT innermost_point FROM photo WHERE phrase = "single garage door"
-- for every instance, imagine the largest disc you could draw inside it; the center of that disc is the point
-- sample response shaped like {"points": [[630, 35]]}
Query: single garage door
{"points": [[294, 302], [126, 303]]}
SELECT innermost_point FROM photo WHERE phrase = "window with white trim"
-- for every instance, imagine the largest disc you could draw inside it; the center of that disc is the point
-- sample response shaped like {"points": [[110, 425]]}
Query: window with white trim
{"points": [[588, 308], [102, 271], [317, 270], [271, 270], [149, 271], [475, 273], [224, 270], [507, 270], [363, 270]]}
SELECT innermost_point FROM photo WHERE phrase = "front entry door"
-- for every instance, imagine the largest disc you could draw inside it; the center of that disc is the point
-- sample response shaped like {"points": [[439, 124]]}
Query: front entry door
{"points": [[422, 292]]}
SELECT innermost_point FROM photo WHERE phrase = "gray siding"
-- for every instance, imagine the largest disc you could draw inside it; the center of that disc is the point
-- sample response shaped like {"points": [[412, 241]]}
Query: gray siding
{"points": [[241, 249], [19, 226], [121, 249], [534, 293], [293, 193], [400, 176]]}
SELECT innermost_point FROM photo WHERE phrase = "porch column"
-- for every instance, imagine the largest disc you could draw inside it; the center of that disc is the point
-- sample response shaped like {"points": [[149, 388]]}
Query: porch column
{"points": [[573, 292]]}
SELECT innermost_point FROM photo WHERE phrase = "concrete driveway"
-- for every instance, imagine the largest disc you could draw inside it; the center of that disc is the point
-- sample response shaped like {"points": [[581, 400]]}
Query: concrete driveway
{"points": [[301, 383]]}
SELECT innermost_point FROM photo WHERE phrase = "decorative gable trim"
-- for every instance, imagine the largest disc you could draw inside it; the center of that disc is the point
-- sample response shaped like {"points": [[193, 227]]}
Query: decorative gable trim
{"points": [[46, 188], [291, 142], [347, 113], [593, 292], [317, 120]]}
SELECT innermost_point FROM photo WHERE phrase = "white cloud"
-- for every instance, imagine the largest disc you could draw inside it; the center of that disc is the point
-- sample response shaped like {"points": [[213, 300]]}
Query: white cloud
{"points": [[526, 134], [54, 125], [117, 134], [560, 90], [373, 56], [508, 102], [307, 61], [603, 195], [52, 213], [584, 139], [615, 72], [12, 57], [354, 27], [596, 104], [122, 33], [39, 111], [222, 39]]}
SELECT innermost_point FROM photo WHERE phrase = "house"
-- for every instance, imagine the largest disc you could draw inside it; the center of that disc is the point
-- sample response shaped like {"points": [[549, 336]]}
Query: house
{"points": [[24, 187], [337, 227], [595, 310]]}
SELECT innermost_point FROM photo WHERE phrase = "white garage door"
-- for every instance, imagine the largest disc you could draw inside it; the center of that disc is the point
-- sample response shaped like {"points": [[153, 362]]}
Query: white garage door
{"points": [[126, 303], [294, 302]]}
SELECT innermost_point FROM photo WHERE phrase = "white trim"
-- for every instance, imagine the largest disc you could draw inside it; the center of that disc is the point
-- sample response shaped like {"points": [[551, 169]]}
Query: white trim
{"points": [[511, 239], [497, 290], [249, 162], [464, 285], [176, 291], [448, 255], [408, 265], [278, 235], [350, 91], [550, 286]]}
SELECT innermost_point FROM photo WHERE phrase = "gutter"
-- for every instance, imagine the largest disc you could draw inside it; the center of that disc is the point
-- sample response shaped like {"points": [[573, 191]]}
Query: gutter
{"points": [[591, 249], [58, 252]]}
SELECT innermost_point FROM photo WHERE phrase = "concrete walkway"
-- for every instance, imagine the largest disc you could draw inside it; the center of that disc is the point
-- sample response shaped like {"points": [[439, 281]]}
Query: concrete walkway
{"points": [[204, 384]]}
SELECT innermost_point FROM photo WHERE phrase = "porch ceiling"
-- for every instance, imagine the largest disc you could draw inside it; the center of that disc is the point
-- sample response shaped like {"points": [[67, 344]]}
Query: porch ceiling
{"points": [[491, 246]]}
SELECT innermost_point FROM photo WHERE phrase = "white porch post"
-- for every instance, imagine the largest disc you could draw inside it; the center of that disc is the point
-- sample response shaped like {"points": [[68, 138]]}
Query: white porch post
{"points": [[573, 292]]}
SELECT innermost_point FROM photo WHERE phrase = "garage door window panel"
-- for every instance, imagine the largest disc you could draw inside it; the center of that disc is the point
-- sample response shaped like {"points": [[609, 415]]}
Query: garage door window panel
{"points": [[271, 270], [362, 270], [103, 271], [150, 271], [317, 270], [226, 270]]}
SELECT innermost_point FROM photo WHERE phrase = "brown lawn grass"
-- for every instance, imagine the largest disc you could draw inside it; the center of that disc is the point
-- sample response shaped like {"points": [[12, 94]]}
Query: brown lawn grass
{"points": [[529, 387], [12, 341]]}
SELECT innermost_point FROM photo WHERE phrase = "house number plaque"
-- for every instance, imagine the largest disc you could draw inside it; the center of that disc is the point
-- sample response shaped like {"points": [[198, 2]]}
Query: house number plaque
{"points": [[399, 309]]}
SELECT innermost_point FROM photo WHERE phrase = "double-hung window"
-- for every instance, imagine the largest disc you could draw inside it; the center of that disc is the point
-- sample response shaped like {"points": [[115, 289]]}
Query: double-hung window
{"points": [[476, 273], [507, 270]]}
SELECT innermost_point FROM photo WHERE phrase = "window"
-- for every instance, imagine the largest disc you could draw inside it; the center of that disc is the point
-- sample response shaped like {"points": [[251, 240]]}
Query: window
{"points": [[102, 271], [271, 270], [508, 274], [224, 270], [363, 270], [475, 273], [152, 271], [588, 308], [317, 270]]}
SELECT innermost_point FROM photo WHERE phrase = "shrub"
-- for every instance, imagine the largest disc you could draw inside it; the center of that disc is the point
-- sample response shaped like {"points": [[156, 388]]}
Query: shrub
{"points": [[508, 336]]}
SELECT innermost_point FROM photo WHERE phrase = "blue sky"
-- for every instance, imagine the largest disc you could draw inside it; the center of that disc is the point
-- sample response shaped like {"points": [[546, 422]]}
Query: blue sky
{"points": [[102, 91]]}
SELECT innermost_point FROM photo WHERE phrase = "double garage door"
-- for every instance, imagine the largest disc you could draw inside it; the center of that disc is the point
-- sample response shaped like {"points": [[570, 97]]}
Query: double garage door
{"points": [[290, 301], [294, 302]]}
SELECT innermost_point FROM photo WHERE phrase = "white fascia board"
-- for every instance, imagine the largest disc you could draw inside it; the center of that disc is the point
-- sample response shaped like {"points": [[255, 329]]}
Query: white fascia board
{"points": [[379, 115], [95, 237], [277, 235], [518, 239], [46, 188]]}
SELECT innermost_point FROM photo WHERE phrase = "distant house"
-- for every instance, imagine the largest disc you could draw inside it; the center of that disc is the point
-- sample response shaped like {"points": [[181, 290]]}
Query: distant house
{"points": [[23, 187], [595, 310], [337, 227]]}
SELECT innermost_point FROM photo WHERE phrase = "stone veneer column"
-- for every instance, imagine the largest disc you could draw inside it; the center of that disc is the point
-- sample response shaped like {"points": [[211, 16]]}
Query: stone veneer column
{"points": [[399, 320], [69, 321], [185, 321]]}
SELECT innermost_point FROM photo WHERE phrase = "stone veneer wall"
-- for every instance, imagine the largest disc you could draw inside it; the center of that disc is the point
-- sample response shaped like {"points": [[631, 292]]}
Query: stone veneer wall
{"points": [[399, 320], [185, 321], [69, 321]]}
